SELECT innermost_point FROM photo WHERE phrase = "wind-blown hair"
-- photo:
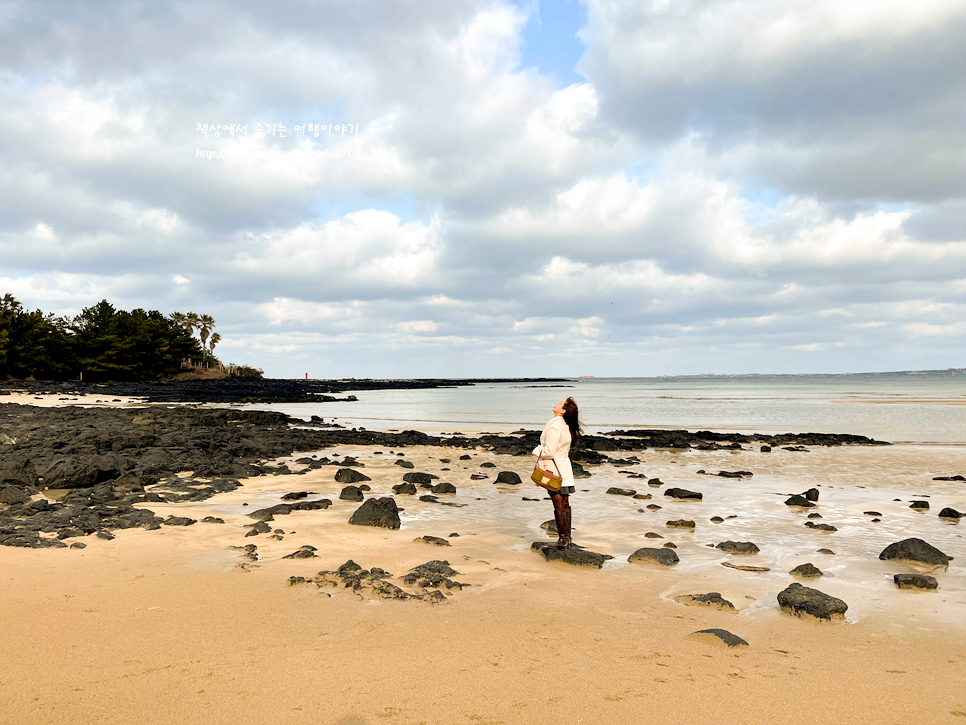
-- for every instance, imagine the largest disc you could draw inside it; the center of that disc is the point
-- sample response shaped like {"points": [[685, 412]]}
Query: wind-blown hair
{"points": [[572, 419]]}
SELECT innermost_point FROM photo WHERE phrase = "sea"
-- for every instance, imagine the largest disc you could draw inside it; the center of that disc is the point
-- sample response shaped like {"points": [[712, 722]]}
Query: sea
{"points": [[920, 407]]}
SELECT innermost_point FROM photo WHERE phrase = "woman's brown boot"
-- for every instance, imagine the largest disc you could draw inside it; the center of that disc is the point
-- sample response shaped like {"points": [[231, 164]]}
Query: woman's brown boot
{"points": [[563, 528]]}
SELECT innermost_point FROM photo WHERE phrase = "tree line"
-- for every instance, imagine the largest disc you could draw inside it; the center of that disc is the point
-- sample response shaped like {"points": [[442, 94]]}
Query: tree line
{"points": [[101, 343]]}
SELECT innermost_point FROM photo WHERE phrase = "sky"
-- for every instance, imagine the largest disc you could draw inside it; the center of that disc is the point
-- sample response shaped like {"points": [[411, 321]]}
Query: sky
{"points": [[461, 188]]}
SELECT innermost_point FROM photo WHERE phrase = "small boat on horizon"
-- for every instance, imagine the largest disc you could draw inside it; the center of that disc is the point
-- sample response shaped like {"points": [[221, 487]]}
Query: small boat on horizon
{"points": [[588, 376]]}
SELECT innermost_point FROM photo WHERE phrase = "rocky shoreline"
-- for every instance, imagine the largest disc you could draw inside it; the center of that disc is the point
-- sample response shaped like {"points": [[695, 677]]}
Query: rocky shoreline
{"points": [[107, 458], [243, 390]]}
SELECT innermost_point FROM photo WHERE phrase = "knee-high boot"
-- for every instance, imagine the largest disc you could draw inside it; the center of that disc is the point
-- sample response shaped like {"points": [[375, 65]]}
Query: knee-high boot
{"points": [[563, 528]]}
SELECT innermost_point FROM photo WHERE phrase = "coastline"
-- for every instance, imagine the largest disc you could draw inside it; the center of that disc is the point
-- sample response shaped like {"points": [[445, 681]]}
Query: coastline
{"points": [[176, 610]]}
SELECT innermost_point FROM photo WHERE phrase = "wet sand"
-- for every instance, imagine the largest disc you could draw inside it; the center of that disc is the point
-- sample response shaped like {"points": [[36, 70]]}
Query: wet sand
{"points": [[161, 626]]}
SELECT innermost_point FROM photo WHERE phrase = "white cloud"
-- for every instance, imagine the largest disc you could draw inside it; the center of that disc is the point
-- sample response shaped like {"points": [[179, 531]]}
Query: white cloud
{"points": [[416, 326]]}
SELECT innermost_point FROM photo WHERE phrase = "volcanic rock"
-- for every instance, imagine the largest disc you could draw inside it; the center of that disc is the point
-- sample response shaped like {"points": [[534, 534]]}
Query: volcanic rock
{"points": [[664, 557], [575, 555], [718, 637], [381, 512], [711, 599], [680, 524], [738, 547], [351, 493], [915, 581], [508, 477], [682, 493], [806, 571], [805, 603], [613, 491], [915, 550], [350, 475]]}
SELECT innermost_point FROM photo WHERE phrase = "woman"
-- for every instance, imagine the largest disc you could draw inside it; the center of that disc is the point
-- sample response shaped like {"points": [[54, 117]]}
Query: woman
{"points": [[553, 455]]}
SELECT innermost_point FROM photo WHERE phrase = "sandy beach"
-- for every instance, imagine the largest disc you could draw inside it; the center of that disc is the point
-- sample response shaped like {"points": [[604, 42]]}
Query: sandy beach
{"points": [[174, 625]]}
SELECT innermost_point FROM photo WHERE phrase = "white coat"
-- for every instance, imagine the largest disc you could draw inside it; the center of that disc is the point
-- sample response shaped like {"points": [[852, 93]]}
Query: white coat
{"points": [[555, 446]]}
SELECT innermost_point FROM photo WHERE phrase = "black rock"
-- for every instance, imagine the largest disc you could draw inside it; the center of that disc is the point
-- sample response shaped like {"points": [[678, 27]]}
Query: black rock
{"points": [[721, 636], [948, 513], [872, 513], [381, 512], [78, 545], [404, 464], [179, 521], [820, 527], [212, 520], [655, 482], [652, 535], [350, 475], [575, 555], [508, 477], [620, 491], [444, 488], [306, 552], [919, 505], [766, 449], [680, 524], [738, 547], [268, 514], [711, 599], [915, 581], [465, 457], [351, 493], [798, 500], [487, 464], [434, 540], [295, 496], [811, 494], [915, 550], [735, 474], [683, 493], [477, 476], [949, 478], [664, 557], [404, 488], [418, 477], [804, 602], [806, 571]]}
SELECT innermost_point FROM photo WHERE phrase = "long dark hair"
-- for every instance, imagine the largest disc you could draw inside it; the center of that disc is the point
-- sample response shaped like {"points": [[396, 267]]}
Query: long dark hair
{"points": [[572, 419]]}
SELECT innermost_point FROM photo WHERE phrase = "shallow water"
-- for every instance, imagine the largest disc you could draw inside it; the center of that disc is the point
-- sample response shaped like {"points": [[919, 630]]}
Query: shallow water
{"points": [[851, 480], [891, 408]]}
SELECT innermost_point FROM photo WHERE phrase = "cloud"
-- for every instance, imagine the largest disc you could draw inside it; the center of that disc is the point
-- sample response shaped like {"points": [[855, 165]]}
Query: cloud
{"points": [[745, 184]]}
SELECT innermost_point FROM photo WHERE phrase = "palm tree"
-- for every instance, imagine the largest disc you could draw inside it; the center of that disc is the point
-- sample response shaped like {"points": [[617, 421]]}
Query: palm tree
{"points": [[191, 321], [215, 339], [204, 323], [180, 319]]}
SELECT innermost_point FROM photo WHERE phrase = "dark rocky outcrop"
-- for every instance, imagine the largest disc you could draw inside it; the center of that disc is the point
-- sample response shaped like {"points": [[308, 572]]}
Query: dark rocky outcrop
{"points": [[444, 488], [576, 555], [738, 547], [828, 528], [680, 524], [404, 488], [304, 552], [919, 505], [350, 475], [179, 521], [798, 500], [806, 571], [434, 540], [351, 493], [719, 637], [381, 512], [950, 513], [683, 493], [419, 478], [664, 557], [508, 477], [614, 491], [915, 550], [810, 603], [404, 464], [711, 599], [915, 581]]}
